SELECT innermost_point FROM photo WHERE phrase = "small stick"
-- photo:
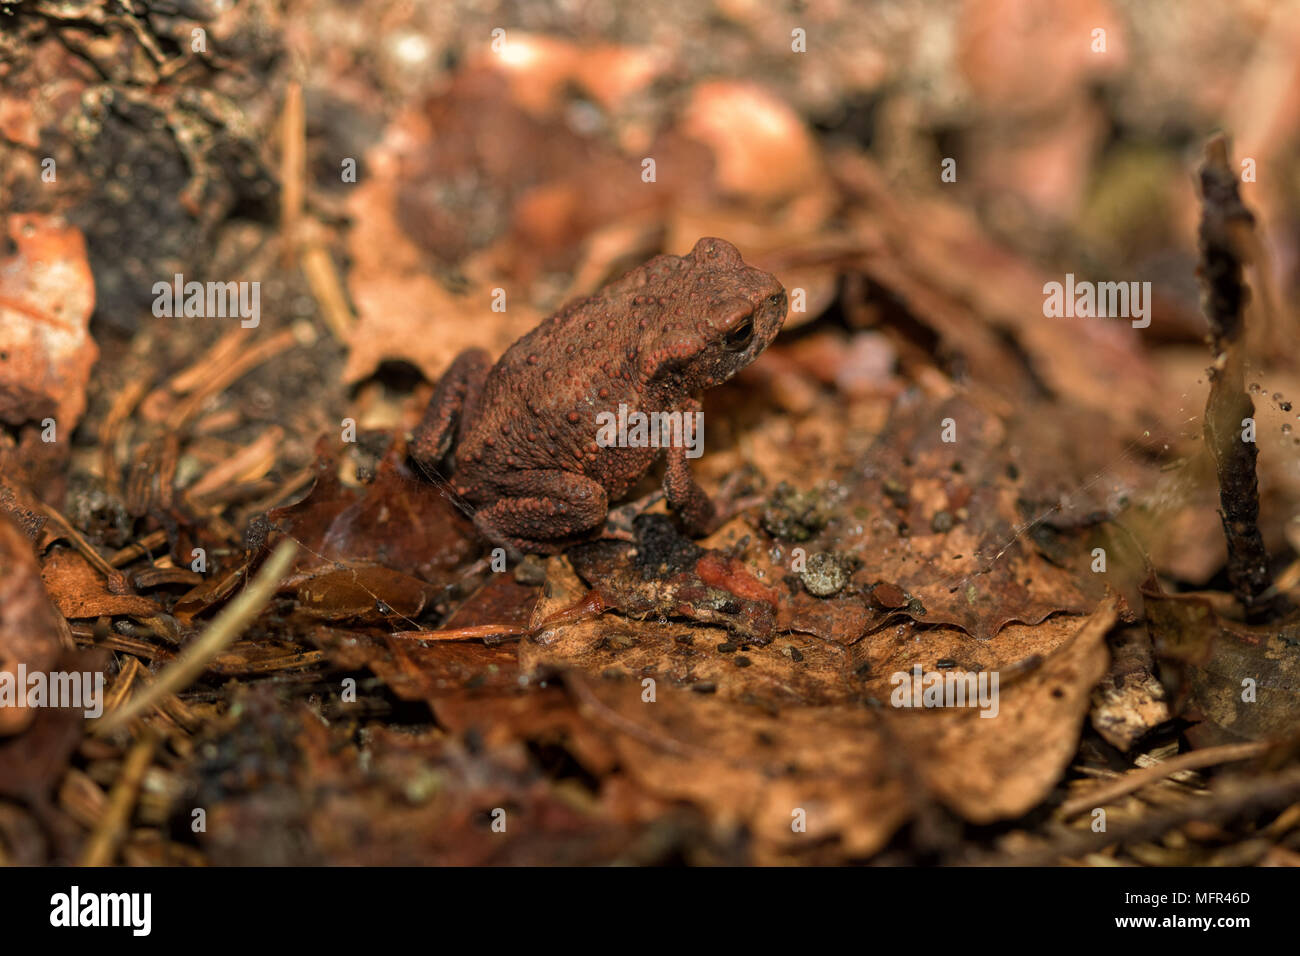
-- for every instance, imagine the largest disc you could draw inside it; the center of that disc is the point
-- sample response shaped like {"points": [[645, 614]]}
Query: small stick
{"points": [[122, 686], [173, 706], [245, 464], [123, 406], [223, 631], [1137, 779], [293, 160], [291, 486], [589, 605], [224, 351], [472, 633], [1225, 225], [219, 381], [102, 845], [323, 279], [138, 549], [1230, 799]]}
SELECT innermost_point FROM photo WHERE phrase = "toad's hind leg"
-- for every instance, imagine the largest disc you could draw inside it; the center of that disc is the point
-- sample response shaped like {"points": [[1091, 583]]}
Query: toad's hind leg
{"points": [[454, 403], [543, 511]]}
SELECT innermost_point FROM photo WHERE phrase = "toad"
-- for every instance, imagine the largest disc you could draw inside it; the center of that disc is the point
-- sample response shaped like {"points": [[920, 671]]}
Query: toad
{"points": [[527, 439]]}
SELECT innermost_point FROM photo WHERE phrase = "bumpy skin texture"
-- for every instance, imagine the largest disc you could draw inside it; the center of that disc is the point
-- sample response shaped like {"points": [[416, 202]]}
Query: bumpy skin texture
{"points": [[524, 430]]}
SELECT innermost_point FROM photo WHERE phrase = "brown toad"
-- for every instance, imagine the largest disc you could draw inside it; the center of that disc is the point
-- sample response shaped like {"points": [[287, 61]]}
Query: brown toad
{"points": [[530, 450]]}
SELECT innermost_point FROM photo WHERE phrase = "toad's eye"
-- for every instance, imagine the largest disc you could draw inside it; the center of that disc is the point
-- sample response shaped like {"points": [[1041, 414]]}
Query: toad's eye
{"points": [[739, 337]]}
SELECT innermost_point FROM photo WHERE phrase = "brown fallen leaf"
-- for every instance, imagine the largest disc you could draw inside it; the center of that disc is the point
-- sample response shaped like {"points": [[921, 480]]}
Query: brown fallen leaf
{"points": [[718, 722], [393, 797], [400, 306], [945, 522], [490, 179], [30, 633], [79, 591], [1000, 767], [432, 670], [405, 522], [933, 260], [359, 592], [387, 550], [807, 775], [711, 660]]}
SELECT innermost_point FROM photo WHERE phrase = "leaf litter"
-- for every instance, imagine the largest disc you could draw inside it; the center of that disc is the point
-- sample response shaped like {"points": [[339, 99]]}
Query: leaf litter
{"points": [[918, 475]]}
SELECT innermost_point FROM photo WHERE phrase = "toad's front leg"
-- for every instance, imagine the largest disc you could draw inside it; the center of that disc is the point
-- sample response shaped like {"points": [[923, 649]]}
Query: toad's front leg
{"points": [[690, 502]]}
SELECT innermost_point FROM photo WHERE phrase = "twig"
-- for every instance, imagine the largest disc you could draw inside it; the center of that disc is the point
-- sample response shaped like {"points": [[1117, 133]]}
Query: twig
{"points": [[139, 548], [122, 686], [1137, 779], [223, 631], [1231, 799], [323, 279], [101, 847], [293, 159], [248, 463], [1225, 225], [254, 356], [123, 406]]}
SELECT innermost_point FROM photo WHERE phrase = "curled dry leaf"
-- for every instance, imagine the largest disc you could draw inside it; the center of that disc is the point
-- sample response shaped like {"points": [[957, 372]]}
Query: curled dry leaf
{"points": [[542, 70], [932, 259], [1000, 767], [403, 312], [46, 297], [763, 151], [1024, 56]]}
